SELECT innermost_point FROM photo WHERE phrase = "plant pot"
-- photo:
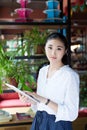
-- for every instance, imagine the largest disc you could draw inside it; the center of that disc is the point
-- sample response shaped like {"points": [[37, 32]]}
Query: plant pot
{"points": [[13, 81], [40, 49]]}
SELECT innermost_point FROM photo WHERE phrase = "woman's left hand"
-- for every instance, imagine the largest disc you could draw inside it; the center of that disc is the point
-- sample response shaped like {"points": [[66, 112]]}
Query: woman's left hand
{"points": [[26, 99], [36, 96]]}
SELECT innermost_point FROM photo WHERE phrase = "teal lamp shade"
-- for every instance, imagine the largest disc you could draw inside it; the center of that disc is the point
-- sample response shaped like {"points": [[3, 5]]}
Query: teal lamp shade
{"points": [[52, 13], [51, 4]]}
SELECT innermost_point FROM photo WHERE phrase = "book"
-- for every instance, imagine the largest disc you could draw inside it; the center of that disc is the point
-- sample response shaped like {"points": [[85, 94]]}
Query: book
{"points": [[5, 116], [22, 116], [22, 92]]}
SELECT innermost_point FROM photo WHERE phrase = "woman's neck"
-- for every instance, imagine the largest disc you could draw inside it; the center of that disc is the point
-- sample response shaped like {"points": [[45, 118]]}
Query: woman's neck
{"points": [[54, 67]]}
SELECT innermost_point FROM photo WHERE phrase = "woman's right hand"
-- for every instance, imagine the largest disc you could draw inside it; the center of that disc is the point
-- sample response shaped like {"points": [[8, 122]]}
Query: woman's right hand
{"points": [[26, 99]]}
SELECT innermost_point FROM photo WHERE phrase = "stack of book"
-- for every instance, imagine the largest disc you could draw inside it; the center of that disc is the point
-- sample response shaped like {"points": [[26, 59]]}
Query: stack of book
{"points": [[22, 116], [5, 116]]}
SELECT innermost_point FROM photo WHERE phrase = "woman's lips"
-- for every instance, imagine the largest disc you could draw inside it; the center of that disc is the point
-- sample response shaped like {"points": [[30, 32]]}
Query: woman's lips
{"points": [[53, 57]]}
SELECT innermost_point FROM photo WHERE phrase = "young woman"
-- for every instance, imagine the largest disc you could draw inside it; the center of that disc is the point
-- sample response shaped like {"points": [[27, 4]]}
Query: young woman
{"points": [[57, 89]]}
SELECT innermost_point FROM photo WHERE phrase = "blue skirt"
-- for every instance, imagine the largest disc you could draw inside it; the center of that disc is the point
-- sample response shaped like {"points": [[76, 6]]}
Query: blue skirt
{"points": [[44, 121]]}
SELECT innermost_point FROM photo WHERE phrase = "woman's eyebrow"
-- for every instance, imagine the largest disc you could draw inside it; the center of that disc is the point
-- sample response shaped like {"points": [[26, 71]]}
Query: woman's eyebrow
{"points": [[50, 45], [60, 46]]}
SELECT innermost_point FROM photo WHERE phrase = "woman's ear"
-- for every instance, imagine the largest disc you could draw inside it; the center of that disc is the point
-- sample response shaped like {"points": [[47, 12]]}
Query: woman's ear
{"points": [[66, 52], [45, 48]]}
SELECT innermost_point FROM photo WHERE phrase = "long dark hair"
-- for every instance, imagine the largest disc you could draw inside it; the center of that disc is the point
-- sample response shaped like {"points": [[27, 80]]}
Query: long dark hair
{"points": [[62, 38]]}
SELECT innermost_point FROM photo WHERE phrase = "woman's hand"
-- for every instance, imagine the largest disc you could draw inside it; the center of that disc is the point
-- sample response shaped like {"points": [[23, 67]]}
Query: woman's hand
{"points": [[33, 94], [26, 99], [38, 97]]}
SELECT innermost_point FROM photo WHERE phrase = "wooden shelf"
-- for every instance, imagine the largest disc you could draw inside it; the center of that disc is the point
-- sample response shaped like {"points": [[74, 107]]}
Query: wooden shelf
{"points": [[31, 57], [29, 25]]}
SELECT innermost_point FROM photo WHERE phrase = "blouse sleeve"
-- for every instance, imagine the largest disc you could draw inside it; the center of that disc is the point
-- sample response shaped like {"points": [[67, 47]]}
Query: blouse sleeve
{"points": [[68, 110]]}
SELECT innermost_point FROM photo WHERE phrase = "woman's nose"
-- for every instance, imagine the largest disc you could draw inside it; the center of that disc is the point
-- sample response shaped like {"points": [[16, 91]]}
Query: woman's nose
{"points": [[53, 52]]}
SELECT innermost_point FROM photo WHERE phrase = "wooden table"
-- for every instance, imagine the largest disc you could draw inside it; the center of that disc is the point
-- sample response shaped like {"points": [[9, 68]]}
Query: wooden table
{"points": [[80, 123], [16, 124]]}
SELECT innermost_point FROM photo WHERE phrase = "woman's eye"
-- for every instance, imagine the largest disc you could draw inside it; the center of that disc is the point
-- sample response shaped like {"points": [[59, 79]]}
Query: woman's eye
{"points": [[50, 47], [59, 49]]}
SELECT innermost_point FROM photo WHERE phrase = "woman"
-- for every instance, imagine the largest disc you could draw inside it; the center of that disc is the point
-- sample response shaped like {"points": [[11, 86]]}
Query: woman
{"points": [[57, 89]]}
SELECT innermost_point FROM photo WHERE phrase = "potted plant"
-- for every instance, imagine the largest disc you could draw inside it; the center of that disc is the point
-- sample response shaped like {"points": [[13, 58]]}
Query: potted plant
{"points": [[3, 63], [6, 65], [34, 38], [13, 69], [26, 80]]}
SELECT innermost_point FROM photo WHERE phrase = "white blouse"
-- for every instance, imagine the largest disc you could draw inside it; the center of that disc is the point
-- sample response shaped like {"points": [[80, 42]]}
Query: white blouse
{"points": [[63, 89]]}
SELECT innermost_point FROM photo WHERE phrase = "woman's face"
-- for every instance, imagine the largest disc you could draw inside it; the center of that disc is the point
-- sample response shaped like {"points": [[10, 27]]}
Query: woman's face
{"points": [[55, 50]]}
